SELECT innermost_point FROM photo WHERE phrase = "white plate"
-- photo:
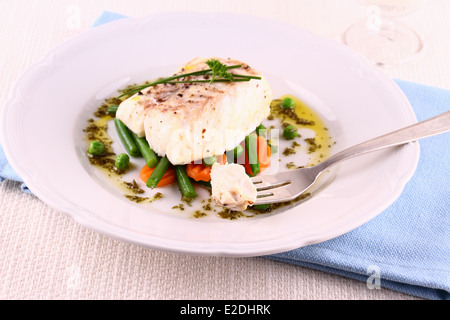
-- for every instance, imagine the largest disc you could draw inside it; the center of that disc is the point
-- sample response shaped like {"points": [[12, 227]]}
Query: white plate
{"points": [[48, 107]]}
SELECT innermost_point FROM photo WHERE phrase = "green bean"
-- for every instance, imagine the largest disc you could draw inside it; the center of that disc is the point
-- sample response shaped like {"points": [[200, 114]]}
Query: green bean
{"points": [[290, 132], [252, 153], [261, 207], [127, 138], [150, 157], [157, 174], [261, 130], [112, 109], [122, 161], [238, 151], [96, 148], [205, 184], [184, 182], [209, 161], [232, 155], [273, 147]]}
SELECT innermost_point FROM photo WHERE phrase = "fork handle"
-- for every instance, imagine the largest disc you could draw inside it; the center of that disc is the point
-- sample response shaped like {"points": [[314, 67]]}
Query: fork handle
{"points": [[433, 126]]}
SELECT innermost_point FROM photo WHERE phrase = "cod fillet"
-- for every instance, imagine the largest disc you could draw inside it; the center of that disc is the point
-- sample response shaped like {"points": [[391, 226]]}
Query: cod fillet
{"points": [[191, 121]]}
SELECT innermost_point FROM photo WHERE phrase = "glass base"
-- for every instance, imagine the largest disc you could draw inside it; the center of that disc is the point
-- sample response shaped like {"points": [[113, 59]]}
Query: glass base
{"points": [[390, 44]]}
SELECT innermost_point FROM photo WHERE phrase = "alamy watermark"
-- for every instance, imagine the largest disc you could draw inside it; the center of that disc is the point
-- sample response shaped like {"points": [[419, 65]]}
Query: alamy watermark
{"points": [[73, 21], [374, 279], [374, 20], [73, 277]]}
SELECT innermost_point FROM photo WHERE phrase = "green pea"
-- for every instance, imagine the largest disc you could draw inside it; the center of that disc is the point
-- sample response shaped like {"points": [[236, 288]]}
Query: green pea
{"points": [[209, 161], [96, 148], [122, 161], [288, 103], [290, 132]]}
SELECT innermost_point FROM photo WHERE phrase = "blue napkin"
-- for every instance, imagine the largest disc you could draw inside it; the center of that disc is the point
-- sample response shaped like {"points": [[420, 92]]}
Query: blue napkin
{"points": [[407, 247], [7, 173]]}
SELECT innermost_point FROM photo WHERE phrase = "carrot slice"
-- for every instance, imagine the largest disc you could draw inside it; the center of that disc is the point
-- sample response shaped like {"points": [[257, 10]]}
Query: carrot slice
{"points": [[200, 172], [264, 154], [168, 178]]}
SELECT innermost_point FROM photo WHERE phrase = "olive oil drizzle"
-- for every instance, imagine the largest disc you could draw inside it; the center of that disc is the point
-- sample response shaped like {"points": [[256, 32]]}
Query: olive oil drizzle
{"points": [[303, 117]]}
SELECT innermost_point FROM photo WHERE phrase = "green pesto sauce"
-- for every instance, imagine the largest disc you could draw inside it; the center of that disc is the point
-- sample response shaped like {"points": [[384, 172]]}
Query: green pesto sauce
{"points": [[139, 199], [233, 215], [133, 186]]}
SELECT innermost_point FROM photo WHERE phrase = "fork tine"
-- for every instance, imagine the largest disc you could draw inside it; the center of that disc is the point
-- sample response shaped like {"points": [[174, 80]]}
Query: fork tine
{"points": [[273, 186], [270, 191], [269, 179], [264, 195], [283, 186], [257, 181], [275, 195], [267, 198]]}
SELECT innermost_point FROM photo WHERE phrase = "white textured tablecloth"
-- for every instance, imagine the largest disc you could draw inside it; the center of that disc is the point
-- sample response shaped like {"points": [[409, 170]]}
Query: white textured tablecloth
{"points": [[45, 255]]}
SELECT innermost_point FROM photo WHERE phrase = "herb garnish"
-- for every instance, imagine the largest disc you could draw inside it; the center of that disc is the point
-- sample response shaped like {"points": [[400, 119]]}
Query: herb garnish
{"points": [[218, 71]]}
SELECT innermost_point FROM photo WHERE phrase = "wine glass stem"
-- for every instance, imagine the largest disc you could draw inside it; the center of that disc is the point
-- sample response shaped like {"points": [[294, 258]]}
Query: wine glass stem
{"points": [[379, 23]]}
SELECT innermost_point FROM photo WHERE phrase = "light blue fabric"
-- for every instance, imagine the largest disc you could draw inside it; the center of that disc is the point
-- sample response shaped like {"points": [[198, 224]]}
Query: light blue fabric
{"points": [[107, 16], [8, 173], [407, 245]]}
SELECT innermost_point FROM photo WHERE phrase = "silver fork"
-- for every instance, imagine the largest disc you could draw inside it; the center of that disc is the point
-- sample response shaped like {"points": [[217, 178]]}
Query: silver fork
{"points": [[288, 185]]}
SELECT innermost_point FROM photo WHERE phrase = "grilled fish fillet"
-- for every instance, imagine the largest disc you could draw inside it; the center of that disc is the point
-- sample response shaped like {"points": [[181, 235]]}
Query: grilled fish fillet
{"points": [[191, 121]]}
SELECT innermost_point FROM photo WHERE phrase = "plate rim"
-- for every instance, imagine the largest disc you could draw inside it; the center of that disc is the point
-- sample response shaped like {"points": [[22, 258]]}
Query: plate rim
{"points": [[216, 249]]}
